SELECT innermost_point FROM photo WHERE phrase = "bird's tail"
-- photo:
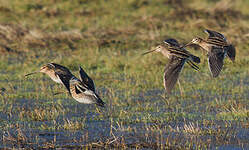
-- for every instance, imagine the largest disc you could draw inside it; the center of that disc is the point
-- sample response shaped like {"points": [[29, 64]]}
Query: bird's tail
{"points": [[193, 65], [230, 52], [100, 102], [195, 59]]}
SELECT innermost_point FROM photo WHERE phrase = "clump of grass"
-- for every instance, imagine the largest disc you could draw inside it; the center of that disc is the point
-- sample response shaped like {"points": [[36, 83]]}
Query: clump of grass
{"points": [[36, 37], [18, 138], [73, 125], [191, 128], [40, 114], [234, 114]]}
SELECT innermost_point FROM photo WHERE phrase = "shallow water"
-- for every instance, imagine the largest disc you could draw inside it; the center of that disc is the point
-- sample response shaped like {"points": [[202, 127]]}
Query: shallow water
{"points": [[147, 126], [100, 131], [104, 128]]}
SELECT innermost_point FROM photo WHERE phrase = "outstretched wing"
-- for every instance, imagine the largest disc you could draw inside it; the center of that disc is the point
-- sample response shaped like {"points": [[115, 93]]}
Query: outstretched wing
{"points": [[216, 38], [215, 61], [214, 34], [172, 72], [171, 42], [86, 79]]}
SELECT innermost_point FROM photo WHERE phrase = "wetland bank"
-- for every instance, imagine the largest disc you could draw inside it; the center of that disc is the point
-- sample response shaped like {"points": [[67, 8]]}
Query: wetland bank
{"points": [[107, 39]]}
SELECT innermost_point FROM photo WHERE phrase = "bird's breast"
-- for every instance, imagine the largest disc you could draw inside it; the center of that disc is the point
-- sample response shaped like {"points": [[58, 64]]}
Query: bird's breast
{"points": [[166, 53], [55, 78], [206, 46]]}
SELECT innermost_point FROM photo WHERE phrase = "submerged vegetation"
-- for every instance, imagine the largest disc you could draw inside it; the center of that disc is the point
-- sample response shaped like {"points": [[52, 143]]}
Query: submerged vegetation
{"points": [[107, 39]]}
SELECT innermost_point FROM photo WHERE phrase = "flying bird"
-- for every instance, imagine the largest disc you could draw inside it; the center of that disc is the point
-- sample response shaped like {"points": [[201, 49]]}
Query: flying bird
{"points": [[217, 47], [82, 90], [177, 57]]}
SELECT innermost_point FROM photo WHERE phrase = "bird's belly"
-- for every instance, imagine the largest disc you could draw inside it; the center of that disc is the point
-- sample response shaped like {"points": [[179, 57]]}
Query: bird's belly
{"points": [[85, 100]]}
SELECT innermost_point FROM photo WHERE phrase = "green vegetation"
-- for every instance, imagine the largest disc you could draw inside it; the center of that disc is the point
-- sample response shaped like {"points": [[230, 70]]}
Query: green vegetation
{"points": [[107, 38]]}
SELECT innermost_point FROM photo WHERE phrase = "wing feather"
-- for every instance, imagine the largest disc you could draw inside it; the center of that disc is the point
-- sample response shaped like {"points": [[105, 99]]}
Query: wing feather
{"points": [[172, 72], [60, 69], [86, 79], [215, 34], [215, 61], [171, 42]]}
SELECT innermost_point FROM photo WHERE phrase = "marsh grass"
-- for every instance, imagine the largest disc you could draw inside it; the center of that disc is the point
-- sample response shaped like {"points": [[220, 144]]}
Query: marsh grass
{"points": [[107, 39]]}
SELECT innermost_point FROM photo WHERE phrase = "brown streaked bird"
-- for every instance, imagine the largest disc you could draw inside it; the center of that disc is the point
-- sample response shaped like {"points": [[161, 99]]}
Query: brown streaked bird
{"points": [[51, 69], [177, 58], [217, 47], [83, 89]]}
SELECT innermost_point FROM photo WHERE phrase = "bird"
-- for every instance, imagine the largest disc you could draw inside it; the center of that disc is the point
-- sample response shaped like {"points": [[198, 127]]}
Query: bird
{"points": [[51, 69], [177, 58], [83, 89], [217, 47]]}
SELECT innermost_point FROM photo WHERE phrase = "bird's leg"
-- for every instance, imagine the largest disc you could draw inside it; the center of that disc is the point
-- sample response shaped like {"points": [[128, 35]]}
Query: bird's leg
{"points": [[165, 98], [52, 89], [58, 93], [97, 109], [180, 87]]}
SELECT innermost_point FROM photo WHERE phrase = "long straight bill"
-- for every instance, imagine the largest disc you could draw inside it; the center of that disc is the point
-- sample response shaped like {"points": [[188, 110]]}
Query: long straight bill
{"points": [[149, 52], [186, 44], [57, 93], [31, 73]]}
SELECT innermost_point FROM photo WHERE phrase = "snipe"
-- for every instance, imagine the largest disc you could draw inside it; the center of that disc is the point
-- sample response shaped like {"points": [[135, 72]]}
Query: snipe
{"points": [[177, 57], [217, 48]]}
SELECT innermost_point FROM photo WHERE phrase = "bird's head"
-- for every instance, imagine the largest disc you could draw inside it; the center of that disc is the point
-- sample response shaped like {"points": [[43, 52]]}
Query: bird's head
{"points": [[44, 69], [196, 40], [159, 48]]}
